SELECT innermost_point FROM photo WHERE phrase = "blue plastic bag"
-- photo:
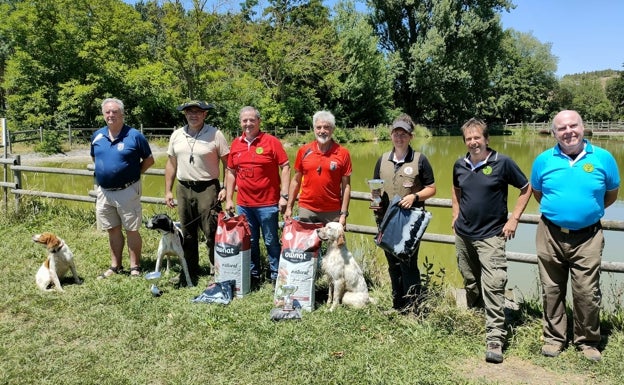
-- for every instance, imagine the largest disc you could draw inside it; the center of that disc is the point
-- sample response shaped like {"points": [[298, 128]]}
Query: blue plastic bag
{"points": [[401, 229], [218, 292]]}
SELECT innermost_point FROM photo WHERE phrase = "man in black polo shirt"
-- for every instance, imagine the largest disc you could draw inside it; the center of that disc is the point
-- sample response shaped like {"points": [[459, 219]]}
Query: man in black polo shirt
{"points": [[479, 200]]}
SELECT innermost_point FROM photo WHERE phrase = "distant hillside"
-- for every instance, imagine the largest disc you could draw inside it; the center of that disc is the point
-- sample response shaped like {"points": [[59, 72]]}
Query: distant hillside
{"points": [[603, 76]]}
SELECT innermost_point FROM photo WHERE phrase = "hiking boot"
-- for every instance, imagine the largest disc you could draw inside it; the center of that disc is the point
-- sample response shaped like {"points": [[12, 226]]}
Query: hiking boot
{"points": [[549, 350], [494, 352], [592, 354]]}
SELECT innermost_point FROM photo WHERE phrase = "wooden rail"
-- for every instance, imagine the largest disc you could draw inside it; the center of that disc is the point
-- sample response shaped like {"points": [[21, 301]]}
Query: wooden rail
{"points": [[18, 190]]}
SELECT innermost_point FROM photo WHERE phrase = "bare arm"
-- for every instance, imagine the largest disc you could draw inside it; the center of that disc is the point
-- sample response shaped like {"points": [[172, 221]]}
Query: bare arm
{"points": [[509, 230], [284, 186], [345, 186], [537, 195], [427, 192], [610, 197], [222, 192], [230, 180], [147, 163], [295, 185], [455, 197], [170, 173]]}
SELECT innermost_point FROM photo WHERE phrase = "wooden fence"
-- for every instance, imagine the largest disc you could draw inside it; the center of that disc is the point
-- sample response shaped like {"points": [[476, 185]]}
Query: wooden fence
{"points": [[591, 127], [17, 189], [82, 134]]}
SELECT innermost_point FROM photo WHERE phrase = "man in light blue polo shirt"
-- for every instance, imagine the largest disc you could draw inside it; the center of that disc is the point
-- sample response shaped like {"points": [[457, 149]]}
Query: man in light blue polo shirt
{"points": [[574, 182]]}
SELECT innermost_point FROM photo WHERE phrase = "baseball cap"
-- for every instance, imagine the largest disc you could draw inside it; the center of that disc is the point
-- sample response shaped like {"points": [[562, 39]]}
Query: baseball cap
{"points": [[403, 125]]}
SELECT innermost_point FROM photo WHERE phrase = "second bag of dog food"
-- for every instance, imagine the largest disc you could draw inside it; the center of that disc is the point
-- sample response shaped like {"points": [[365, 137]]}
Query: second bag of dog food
{"points": [[298, 262]]}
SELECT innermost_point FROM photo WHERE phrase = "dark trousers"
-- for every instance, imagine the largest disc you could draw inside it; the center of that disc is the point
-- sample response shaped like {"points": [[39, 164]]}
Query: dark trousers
{"points": [[405, 280], [198, 208]]}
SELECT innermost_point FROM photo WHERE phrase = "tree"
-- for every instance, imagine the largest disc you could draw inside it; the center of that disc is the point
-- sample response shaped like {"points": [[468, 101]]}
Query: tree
{"points": [[523, 80], [615, 94], [588, 97], [76, 50], [446, 49], [364, 93]]}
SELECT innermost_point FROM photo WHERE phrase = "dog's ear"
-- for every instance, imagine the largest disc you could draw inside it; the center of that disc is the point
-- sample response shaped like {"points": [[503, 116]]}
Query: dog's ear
{"points": [[50, 240], [340, 240]]}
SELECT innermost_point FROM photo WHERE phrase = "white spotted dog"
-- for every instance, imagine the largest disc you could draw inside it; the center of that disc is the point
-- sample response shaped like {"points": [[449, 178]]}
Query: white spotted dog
{"points": [[59, 261], [346, 280], [170, 243]]}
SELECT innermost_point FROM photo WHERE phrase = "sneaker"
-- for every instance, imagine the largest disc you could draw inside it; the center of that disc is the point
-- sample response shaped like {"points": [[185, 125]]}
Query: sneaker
{"points": [[549, 350], [592, 354], [494, 352]]}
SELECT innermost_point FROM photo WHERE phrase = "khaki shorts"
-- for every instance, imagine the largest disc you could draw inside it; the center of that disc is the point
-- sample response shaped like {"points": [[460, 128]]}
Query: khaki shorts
{"points": [[120, 207], [306, 215]]}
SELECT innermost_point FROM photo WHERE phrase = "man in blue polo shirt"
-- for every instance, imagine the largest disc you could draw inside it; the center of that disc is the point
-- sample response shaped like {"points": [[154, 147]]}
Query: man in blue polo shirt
{"points": [[573, 182], [121, 154]]}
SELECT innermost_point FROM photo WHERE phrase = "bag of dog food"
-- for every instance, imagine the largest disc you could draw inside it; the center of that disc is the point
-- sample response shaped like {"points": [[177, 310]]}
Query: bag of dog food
{"points": [[298, 263], [232, 251], [401, 229]]}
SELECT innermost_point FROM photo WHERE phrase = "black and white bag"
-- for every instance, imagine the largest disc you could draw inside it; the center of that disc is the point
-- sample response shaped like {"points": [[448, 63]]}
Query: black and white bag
{"points": [[401, 229]]}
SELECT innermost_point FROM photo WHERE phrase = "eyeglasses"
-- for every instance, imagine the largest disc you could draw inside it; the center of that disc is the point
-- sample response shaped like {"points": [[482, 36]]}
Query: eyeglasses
{"points": [[399, 134], [193, 112]]}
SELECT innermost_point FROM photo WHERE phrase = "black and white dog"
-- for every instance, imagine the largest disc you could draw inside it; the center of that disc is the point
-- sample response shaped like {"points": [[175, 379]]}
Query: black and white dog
{"points": [[170, 243]]}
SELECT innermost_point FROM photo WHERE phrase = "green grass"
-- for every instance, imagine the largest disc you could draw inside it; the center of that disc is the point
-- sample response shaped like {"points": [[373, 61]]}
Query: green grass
{"points": [[114, 332]]}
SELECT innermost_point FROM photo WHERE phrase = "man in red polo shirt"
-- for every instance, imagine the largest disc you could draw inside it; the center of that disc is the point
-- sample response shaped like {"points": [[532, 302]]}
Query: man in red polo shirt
{"points": [[258, 167], [322, 176]]}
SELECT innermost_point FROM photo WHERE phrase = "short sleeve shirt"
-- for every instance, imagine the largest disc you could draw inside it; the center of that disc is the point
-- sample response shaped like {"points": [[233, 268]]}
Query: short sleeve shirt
{"points": [[257, 168], [484, 190], [118, 161], [198, 156], [322, 176], [573, 191]]}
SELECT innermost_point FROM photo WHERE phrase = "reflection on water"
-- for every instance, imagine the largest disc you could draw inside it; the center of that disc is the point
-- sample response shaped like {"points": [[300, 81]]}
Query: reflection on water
{"points": [[442, 153]]}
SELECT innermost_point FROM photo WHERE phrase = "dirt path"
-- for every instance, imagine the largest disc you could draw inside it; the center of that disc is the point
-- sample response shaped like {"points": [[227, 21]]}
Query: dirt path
{"points": [[516, 371]]}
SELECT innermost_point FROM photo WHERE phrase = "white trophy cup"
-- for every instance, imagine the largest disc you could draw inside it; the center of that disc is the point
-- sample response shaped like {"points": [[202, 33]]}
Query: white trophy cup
{"points": [[376, 189], [287, 291]]}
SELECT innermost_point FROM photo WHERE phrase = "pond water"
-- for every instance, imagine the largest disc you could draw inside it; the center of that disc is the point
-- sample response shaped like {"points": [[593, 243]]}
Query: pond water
{"points": [[442, 153]]}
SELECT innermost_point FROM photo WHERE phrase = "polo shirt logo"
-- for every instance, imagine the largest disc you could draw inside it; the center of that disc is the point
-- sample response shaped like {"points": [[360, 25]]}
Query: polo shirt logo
{"points": [[333, 165], [487, 170], [120, 146], [408, 170], [588, 167], [259, 150]]}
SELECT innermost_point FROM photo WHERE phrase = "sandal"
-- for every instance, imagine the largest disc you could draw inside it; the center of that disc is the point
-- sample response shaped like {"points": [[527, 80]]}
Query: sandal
{"points": [[135, 271], [110, 272]]}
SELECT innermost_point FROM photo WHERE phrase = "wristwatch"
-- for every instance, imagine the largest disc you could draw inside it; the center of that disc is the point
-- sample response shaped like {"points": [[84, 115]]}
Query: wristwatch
{"points": [[417, 197], [285, 196], [345, 213]]}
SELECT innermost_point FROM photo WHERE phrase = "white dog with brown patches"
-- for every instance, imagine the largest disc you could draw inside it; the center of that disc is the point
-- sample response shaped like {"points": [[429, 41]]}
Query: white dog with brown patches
{"points": [[346, 281], [59, 261]]}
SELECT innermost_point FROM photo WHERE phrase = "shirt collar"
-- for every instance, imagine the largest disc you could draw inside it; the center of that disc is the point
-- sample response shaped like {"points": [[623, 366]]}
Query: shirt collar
{"points": [[408, 157]]}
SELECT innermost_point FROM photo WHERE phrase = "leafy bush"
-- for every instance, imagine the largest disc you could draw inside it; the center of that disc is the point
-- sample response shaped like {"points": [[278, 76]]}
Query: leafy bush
{"points": [[51, 143]]}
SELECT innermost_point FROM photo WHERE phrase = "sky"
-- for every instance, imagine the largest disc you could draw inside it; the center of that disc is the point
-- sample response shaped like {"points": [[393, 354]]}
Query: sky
{"points": [[585, 35]]}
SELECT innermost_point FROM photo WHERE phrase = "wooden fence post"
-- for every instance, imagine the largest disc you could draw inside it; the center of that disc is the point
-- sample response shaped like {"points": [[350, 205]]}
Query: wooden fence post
{"points": [[17, 178]]}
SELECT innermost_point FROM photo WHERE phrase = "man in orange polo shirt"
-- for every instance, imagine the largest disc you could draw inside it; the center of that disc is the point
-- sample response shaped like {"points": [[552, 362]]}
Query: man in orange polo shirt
{"points": [[322, 176]]}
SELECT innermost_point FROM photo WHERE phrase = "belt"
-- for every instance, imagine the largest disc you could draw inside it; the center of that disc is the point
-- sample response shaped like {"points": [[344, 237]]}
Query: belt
{"points": [[198, 183], [121, 187], [588, 229]]}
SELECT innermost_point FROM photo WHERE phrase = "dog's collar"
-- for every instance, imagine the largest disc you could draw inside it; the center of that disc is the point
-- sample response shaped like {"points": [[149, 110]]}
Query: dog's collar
{"points": [[56, 249]]}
